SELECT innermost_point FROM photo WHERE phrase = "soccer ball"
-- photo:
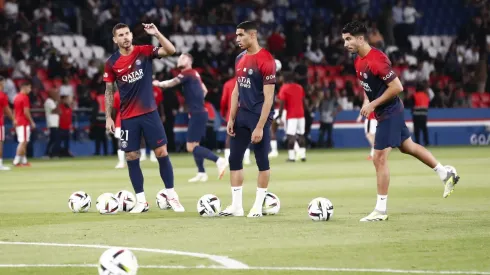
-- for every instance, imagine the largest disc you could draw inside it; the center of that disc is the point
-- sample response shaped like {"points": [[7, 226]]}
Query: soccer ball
{"points": [[271, 204], [278, 65], [162, 201], [451, 169], [118, 261], [320, 209], [126, 200], [79, 202], [107, 203], [208, 206]]}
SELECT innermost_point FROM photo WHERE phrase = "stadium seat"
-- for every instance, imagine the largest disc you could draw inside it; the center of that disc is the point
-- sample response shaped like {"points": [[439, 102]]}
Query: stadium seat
{"points": [[75, 53], [210, 38], [48, 84], [80, 40], [178, 40], [432, 51], [42, 74], [99, 52], [436, 41], [87, 52], [415, 41], [68, 41], [159, 65], [63, 50], [391, 49], [56, 41], [57, 82], [201, 40], [426, 41]]}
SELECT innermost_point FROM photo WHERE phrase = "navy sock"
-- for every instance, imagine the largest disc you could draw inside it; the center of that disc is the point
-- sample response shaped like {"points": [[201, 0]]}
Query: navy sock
{"points": [[204, 152], [166, 171], [136, 175], [199, 162]]}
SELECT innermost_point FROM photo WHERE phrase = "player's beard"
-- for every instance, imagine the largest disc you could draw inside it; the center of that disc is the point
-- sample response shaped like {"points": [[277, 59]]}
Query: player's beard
{"points": [[126, 45]]}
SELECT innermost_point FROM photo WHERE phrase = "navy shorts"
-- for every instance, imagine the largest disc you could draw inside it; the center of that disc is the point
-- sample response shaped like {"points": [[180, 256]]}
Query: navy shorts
{"points": [[391, 132], [245, 123], [149, 126], [196, 128]]}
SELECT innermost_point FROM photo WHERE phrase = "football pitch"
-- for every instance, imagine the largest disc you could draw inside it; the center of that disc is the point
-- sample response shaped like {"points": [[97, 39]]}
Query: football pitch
{"points": [[425, 234]]}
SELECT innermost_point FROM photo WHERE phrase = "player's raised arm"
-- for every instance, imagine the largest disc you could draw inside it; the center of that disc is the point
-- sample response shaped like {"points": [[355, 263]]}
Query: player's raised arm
{"points": [[167, 47], [167, 83]]}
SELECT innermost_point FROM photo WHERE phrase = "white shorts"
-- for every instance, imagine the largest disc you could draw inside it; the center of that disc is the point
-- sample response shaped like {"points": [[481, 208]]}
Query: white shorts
{"points": [[370, 126], [283, 117], [117, 132], [23, 133], [295, 126], [2, 133]]}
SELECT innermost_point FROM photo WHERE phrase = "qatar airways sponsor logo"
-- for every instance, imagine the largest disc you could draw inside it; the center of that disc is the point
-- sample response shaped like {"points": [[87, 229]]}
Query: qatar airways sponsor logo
{"points": [[365, 86], [387, 76], [133, 76], [244, 82]]}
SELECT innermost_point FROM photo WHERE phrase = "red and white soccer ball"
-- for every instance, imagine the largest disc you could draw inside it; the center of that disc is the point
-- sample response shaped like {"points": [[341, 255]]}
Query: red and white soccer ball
{"points": [[126, 199], [162, 201], [79, 202], [118, 261], [271, 204], [320, 209], [107, 203]]}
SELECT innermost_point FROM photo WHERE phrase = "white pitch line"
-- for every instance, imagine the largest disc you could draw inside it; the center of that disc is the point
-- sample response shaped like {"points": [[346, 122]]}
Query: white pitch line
{"points": [[224, 261], [359, 270]]}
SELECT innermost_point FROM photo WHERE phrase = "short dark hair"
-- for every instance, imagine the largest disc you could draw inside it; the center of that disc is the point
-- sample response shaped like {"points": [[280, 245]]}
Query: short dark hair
{"points": [[355, 28], [247, 25], [117, 27], [25, 83]]}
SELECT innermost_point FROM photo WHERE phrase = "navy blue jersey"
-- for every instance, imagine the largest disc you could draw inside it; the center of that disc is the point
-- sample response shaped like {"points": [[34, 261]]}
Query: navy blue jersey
{"points": [[133, 76], [374, 72], [252, 73], [192, 90]]}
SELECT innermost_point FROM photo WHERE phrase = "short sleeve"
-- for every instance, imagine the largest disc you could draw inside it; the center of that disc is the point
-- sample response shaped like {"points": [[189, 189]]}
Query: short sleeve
{"points": [[108, 73], [150, 51], [282, 93], [26, 103], [382, 68], [183, 78], [268, 70]]}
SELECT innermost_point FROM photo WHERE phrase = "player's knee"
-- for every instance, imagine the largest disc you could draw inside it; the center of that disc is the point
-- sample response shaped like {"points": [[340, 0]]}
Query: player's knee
{"points": [[291, 140], [161, 151], [301, 141], [379, 158], [190, 146], [235, 161], [132, 155], [262, 160]]}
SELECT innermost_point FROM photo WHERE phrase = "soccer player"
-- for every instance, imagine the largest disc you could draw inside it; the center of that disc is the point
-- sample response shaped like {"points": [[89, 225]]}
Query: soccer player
{"points": [[370, 124], [4, 108], [131, 67], [194, 93], [382, 86], [225, 113], [23, 118], [250, 116], [291, 97], [117, 131]]}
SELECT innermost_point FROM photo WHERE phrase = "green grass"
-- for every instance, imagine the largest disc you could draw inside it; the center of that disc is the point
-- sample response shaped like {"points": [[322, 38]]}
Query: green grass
{"points": [[425, 231]]}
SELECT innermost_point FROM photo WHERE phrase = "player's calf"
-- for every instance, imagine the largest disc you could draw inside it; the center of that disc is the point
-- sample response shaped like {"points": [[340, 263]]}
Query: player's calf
{"points": [[291, 153], [302, 147]]}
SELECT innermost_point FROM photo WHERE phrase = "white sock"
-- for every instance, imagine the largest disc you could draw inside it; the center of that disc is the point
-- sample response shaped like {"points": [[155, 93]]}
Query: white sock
{"points": [[381, 203], [274, 145], [227, 154], [120, 156], [296, 146], [1, 162], [441, 171], [143, 151], [140, 197], [16, 160], [171, 193], [236, 197], [24, 160], [152, 154], [291, 154], [259, 198], [247, 154], [372, 152], [302, 152]]}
